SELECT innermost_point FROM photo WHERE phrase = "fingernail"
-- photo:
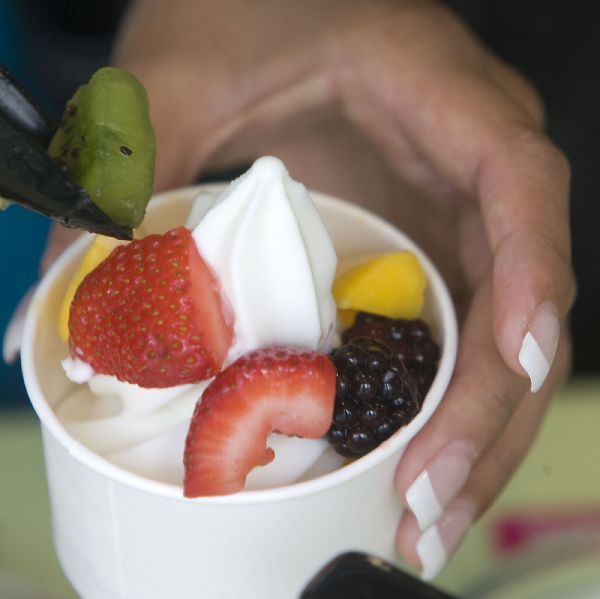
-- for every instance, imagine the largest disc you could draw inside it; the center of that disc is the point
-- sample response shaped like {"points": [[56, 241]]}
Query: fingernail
{"points": [[432, 491], [439, 542], [539, 345]]}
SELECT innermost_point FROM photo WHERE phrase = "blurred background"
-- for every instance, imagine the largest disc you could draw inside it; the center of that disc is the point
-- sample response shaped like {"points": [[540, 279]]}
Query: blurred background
{"points": [[52, 46]]}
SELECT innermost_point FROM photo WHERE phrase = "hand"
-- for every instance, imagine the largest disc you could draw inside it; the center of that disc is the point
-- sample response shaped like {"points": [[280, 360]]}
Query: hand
{"points": [[394, 105]]}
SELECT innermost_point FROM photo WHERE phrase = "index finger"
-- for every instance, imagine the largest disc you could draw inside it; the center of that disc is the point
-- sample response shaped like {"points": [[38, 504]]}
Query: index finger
{"points": [[521, 181], [483, 142]]}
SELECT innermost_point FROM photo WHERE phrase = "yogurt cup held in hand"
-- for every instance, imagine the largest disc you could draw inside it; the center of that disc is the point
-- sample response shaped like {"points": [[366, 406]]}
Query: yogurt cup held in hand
{"points": [[120, 533]]}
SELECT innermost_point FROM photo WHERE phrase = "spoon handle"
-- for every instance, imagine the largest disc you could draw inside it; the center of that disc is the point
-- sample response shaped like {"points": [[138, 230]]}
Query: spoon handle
{"points": [[360, 576]]}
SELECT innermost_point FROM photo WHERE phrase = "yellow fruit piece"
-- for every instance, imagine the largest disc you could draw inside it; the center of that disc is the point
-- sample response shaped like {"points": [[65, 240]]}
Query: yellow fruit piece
{"points": [[391, 284], [100, 248]]}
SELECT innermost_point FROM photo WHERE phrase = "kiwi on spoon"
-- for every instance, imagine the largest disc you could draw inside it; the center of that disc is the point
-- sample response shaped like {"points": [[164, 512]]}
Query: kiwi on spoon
{"points": [[106, 143], [29, 177], [99, 163]]}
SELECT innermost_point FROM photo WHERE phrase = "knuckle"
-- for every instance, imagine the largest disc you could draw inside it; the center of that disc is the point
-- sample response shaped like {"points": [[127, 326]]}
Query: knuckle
{"points": [[530, 99], [539, 144], [553, 157], [522, 142], [556, 158], [521, 90], [535, 105]]}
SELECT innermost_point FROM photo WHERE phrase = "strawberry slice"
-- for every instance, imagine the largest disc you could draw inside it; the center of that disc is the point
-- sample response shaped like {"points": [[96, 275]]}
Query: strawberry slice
{"points": [[152, 314], [283, 389]]}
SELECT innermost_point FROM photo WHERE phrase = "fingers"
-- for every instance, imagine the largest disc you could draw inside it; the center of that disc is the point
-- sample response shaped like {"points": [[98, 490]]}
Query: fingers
{"points": [[454, 118], [432, 548], [522, 185], [475, 410], [521, 182], [430, 541]]}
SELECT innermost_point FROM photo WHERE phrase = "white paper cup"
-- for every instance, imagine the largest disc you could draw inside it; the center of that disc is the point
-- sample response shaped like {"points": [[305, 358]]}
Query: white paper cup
{"points": [[118, 534]]}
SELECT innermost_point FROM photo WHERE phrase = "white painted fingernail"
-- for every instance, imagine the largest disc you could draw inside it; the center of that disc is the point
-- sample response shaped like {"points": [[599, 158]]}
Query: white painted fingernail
{"points": [[438, 485], [432, 553], [439, 542], [539, 345]]}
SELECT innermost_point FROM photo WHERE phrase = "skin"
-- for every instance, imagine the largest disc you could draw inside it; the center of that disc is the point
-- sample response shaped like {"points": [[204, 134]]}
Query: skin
{"points": [[394, 105]]}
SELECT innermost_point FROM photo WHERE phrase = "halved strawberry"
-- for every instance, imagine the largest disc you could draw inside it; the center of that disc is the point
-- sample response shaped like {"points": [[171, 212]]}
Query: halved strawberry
{"points": [[152, 314], [283, 389]]}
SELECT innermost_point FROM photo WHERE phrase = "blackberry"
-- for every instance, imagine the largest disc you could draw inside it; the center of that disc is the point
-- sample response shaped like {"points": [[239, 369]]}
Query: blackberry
{"points": [[410, 340], [375, 396]]}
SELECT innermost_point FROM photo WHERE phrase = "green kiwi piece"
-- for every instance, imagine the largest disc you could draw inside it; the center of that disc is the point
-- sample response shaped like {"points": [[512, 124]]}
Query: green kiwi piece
{"points": [[106, 143]]}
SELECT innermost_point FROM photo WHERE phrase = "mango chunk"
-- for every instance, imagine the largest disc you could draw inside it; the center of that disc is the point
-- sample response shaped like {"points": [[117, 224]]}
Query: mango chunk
{"points": [[98, 251], [390, 284]]}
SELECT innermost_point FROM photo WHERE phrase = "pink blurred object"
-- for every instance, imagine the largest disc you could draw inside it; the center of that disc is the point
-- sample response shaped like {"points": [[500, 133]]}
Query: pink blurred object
{"points": [[511, 533]]}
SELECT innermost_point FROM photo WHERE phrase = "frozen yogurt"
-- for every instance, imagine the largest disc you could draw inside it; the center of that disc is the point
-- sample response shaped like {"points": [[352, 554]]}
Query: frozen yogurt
{"points": [[275, 262], [273, 256], [170, 341]]}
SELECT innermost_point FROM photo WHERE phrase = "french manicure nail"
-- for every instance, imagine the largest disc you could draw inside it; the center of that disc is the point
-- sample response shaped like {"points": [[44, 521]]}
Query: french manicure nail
{"points": [[539, 345], [439, 542], [439, 483]]}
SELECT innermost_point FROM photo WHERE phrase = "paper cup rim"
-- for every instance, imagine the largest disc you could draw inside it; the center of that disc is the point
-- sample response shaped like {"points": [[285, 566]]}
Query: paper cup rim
{"points": [[392, 445]]}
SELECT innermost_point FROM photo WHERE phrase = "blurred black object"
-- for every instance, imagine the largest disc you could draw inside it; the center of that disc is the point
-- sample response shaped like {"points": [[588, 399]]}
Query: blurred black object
{"points": [[87, 17], [360, 576]]}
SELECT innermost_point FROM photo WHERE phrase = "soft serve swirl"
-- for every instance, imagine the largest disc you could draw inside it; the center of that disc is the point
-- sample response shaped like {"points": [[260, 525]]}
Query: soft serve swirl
{"points": [[275, 261]]}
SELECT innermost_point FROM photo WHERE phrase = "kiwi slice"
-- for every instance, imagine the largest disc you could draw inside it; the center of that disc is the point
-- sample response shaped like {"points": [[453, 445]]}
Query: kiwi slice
{"points": [[106, 143]]}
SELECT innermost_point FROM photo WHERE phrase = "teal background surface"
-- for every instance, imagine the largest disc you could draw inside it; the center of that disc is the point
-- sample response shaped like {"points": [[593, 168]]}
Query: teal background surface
{"points": [[23, 234]]}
